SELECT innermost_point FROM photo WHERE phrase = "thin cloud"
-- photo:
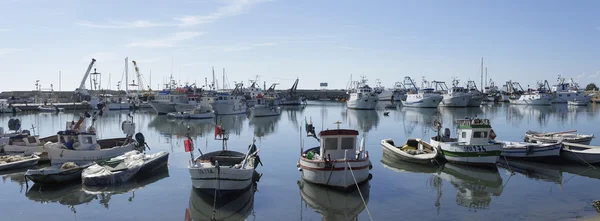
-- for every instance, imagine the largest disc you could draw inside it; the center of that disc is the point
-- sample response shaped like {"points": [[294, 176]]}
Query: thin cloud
{"points": [[592, 76], [247, 47], [347, 47], [4, 30], [233, 8], [7, 51], [169, 41], [101, 56]]}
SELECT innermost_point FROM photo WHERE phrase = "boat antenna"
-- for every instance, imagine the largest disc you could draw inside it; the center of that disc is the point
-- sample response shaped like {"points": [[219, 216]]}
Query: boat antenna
{"points": [[338, 124]]}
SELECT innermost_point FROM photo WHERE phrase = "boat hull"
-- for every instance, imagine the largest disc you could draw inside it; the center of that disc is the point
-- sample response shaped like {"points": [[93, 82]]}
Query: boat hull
{"points": [[162, 107], [265, 111], [180, 115], [396, 153], [20, 164], [525, 150], [224, 179], [427, 102], [527, 99], [118, 106], [476, 100], [59, 156], [184, 107], [578, 103], [111, 179], [581, 158], [156, 163], [17, 149], [481, 154], [229, 108], [454, 101], [55, 175], [362, 103], [337, 174]]}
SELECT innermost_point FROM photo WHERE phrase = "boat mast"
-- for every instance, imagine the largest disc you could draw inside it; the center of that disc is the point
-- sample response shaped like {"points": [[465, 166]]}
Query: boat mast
{"points": [[126, 76], [481, 71]]}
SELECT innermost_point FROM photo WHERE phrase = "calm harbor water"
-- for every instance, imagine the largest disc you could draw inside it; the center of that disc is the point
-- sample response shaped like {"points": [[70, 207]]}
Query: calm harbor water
{"points": [[397, 191]]}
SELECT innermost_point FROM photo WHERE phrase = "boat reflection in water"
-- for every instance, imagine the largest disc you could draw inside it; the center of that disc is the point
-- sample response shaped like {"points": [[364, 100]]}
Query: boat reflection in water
{"points": [[264, 125], [74, 194], [533, 170], [333, 204], [418, 116], [518, 113], [231, 207], [474, 186], [179, 127], [398, 165], [363, 119]]}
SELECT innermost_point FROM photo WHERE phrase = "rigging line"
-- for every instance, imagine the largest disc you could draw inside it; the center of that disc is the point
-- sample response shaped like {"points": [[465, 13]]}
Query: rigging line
{"points": [[359, 192]]}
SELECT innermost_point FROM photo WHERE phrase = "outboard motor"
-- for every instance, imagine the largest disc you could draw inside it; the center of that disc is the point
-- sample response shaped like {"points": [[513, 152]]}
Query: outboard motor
{"points": [[141, 140], [14, 124]]}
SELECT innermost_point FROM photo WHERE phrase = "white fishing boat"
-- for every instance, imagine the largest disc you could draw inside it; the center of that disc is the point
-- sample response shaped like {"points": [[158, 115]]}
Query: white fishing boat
{"points": [[581, 153], [393, 95], [576, 102], [565, 92], [21, 142], [361, 96], [539, 96], [414, 150], [225, 171], [8, 162], [264, 108], [196, 113], [175, 99], [423, 98], [530, 150], [336, 162], [50, 108], [453, 97], [475, 143], [81, 146], [557, 137], [229, 103]]}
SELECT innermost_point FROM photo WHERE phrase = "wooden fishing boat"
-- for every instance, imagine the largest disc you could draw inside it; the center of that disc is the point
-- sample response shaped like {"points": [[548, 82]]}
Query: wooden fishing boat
{"points": [[414, 150], [224, 171], [581, 153], [15, 162], [475, 143], [530, 150], [556, 137], [57, 174], [336, 162]]}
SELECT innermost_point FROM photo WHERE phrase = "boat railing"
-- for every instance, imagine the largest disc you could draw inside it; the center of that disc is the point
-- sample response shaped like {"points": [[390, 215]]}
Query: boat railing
{"points": [[473, 121]]}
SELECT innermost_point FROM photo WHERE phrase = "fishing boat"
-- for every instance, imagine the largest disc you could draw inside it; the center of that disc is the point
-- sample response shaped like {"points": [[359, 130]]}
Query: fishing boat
{"points": [[530, 150], [57, 174], [229, 103], [6, 107], [336, 162], [568, 91], [264, 108], [225, 171], [576, 102], [476, 97], [414, 150], [21, 142], [14, 162], [123, 169], [50, 108], [424, 98], [79, 146], [452, 97], [581, 153], [539, 96], [361, 96], [556, 137], [475, 144], [197, 113]]}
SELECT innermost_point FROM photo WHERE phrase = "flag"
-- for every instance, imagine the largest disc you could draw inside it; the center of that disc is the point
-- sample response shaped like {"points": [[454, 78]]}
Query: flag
{"points": [[218, 131], [187, 215], [189, 146]]}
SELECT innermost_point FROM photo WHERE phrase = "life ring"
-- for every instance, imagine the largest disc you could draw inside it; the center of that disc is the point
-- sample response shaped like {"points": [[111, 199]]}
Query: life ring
{"points": [[492, 134]]}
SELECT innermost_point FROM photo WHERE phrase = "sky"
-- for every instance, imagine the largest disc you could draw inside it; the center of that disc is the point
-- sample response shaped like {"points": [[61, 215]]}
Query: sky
{"points": [[316, 41]]}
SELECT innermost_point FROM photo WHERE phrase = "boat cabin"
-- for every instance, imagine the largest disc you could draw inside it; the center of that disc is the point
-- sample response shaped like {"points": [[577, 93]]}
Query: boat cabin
{"points": [[75, 140], [335, 143], [474, 131]]}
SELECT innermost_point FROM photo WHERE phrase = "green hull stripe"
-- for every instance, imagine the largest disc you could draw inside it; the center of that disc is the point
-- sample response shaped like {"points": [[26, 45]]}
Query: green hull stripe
{"points": [[472, 154]]}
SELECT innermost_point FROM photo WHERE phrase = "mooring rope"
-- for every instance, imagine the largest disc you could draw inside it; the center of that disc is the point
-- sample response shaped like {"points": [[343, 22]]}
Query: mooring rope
{"points": [[508, 164], [357, 187], [216, 190]]}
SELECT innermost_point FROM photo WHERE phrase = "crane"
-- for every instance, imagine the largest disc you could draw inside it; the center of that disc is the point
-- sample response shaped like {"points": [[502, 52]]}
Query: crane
{"points": [[81, 91], [140, 85]]}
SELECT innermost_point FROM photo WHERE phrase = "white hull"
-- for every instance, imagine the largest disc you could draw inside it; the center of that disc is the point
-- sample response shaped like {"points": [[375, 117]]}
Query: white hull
{"points": [[427, 102], [162, 107], [229, 108], [578, 103], [389, 95], [581, 153], [118, 106], [389, 149], [50, 109], [454, 101], [338, 176], [265, 111], [20, 164], [184, 107], [536, 99], [504, 98], [566, 96], [530, 150], [229, 179], [17, 150], [362, 103], [469, 154], [59, 155]]}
